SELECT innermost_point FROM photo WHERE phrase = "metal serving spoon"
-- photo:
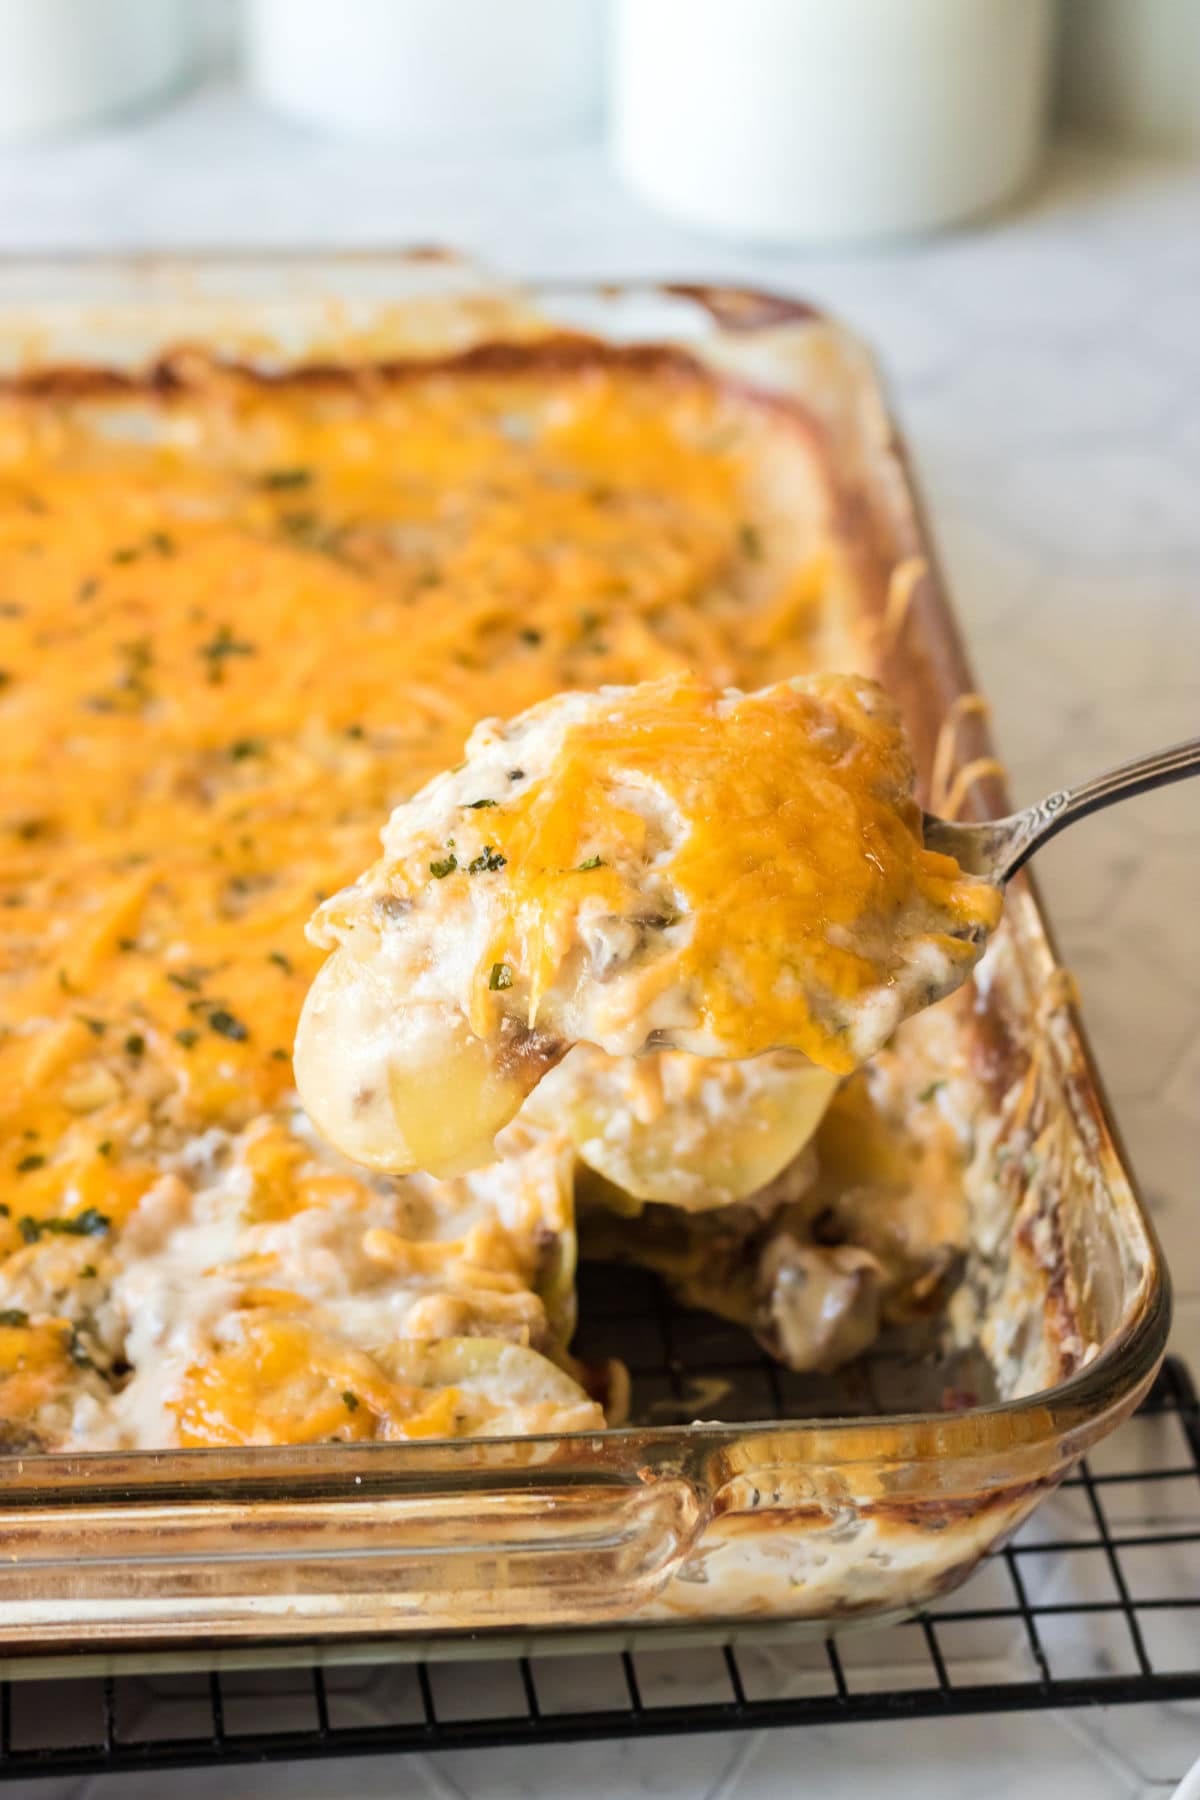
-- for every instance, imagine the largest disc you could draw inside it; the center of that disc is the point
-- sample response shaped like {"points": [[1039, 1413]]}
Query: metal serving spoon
{"points": [[997, 849]]}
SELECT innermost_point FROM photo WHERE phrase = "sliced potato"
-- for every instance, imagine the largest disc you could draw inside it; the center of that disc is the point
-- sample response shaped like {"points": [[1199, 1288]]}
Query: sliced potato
{"points": [[400, 1087], [499, 1388], [687, 1131], [291, 1379]]}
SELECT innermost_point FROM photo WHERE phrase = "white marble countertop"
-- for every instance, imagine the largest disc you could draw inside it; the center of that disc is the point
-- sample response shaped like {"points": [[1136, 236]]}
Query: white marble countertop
{"points": [[1047, 371]]}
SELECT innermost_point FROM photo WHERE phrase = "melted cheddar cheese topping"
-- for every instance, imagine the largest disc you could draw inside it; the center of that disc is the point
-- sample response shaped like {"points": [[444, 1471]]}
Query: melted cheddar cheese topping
{"points": [[668, 864], [239, 621]]}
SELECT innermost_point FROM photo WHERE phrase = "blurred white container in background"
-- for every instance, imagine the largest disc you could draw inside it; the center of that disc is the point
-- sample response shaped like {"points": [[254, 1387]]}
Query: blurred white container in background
{"points": [[824, 120], [66, 63], [1131, 69], [431, 74]]}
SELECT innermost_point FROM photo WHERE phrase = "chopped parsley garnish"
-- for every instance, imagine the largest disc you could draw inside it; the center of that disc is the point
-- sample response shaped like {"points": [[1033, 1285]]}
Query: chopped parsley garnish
{"points": [[516, 774], [349, 1400], [590, 862], [488, 861], [927, 1093], [751, 542], [163, 542], [135, 1044], [30, 1162], [444, 866], [477, 805], [280, 1055], [245, 747], [307, 528], [280, 960], [220, 648], [501, 977], [189, 983], [88, 1223], [104, 1147], [95, 1026], [12, 1315], [187, 1037], [88, 1272], [127, 554], [279, 480], [228, 1025], [355, 731], [530, 636]]}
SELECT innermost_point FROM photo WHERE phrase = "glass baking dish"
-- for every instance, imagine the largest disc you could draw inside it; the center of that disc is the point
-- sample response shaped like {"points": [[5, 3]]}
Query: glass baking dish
{"points": [[702, 1526]]}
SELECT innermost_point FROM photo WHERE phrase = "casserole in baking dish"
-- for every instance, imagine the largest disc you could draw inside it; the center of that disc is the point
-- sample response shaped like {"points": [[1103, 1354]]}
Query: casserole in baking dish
{"points": [[251, 597]]}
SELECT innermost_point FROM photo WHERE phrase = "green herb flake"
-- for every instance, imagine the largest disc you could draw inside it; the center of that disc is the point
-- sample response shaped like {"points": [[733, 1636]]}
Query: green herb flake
{"points": [[12, 1315], [280, 960], [95, 1026], [487, 862], [30, 1162], [516, 774], [187, 1037], [530, 636], [927, 1093], [128, 553], [350, 1400], [444, 866], [751, 542], [190, 984], [478, 805], [302, 524], [88, 1272], [88, 1223], [104, 1147], [243, 748], [501, 977], [227, 1025], [220, 648], [280, 1055], [279, 481], [163, 542], [590, 862], [135, 1044]]}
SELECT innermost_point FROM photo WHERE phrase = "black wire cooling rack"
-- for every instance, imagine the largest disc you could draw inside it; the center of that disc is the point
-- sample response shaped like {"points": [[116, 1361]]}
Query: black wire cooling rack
{"points": [[1097, 1601]]}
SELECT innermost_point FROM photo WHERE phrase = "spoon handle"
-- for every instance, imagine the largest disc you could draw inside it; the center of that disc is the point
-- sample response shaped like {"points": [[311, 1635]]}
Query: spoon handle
{"points": [[1030, 829]]}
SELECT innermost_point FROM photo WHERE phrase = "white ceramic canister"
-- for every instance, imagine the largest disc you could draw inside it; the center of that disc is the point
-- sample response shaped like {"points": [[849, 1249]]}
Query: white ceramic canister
{"points": [[824, 120], [65, 63], [1130, 69], [431, 74]]}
